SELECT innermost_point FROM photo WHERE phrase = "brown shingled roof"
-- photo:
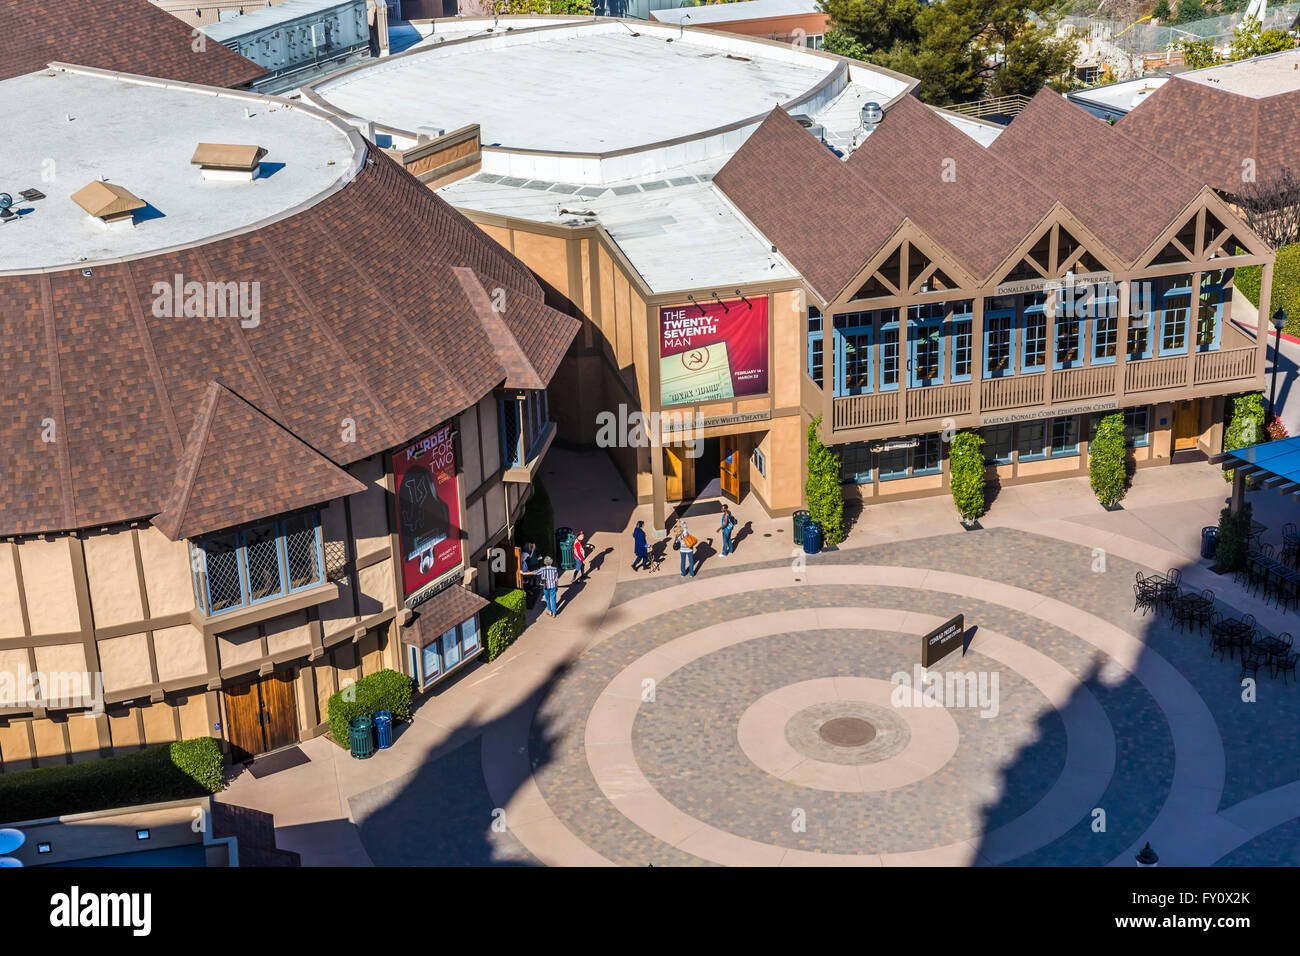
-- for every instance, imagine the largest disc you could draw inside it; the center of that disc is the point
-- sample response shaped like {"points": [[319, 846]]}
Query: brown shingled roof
{"points": [[1120, 190], [362, 321], [975, 206], [440, 613], [127, 36], [1211, 132], [822, 217], [240, 466]]}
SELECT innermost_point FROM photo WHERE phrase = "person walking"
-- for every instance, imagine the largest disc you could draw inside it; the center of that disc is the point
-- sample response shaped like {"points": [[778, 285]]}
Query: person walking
{"points": [[549, 575], [639, 547], [579, 558], [728, 525], [687, 543]]}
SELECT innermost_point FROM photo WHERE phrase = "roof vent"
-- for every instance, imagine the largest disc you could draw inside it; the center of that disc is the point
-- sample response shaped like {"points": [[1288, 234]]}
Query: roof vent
{"points": [[109, 204], [871, 114], [228, 163]]}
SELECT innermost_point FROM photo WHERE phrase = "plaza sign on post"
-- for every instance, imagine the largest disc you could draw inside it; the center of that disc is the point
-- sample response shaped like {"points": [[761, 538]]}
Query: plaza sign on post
{"points": [[942, 641]]}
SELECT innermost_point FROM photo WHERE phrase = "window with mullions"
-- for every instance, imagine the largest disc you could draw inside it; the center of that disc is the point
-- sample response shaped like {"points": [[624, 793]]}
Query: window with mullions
{"points": [[1142, 313], [1105, 337], [1051, 438], [997, 444], [1209, 312], [1175, 302], [1064, 436], [1034, 323], [1069, 341], [815, 359], [999, 342], [853, 355], [1137, 427], [892, 464], [855, 463], [925, 344], [927, 456], [888, 349], [236, 569], [960, 337]]}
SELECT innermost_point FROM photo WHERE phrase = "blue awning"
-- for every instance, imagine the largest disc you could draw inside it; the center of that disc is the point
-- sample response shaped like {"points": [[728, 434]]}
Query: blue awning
{"points": [[1277, 458]]}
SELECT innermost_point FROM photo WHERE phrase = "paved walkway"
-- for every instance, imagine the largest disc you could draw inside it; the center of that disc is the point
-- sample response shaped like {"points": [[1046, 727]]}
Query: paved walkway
{"points": [[669, 721]]}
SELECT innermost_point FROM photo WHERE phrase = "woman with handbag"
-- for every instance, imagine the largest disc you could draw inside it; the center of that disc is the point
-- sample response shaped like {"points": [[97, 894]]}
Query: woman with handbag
{"points": [[687, 543]]}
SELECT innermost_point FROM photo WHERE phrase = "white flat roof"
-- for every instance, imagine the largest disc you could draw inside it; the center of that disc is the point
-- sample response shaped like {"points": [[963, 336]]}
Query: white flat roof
{"points": [[80, 125], [1124, 95], [1258, 77], [732, 12], [678, 233], [264, 17], [593, 87]]}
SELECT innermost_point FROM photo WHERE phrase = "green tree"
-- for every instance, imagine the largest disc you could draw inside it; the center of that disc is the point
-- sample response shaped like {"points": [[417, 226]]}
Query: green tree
{"points": [[841, 44], [1190, 11], [875, 24], [1107, 468], [825, 500], [1250, 40], [1161, 11], [966, 473], [1246, 427], [1196, 53]]}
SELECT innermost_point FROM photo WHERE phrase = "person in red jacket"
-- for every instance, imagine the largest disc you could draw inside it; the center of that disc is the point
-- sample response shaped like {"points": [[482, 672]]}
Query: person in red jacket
{"points": [[579, 558]]}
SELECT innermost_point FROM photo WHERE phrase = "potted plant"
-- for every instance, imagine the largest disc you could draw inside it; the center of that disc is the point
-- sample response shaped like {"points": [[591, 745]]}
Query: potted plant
{"points": [[1107, 470], [967, 477]]}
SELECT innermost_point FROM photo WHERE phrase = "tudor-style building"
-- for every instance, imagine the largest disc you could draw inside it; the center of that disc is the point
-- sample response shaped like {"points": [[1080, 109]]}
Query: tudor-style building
{"points": [[1024, 289]]}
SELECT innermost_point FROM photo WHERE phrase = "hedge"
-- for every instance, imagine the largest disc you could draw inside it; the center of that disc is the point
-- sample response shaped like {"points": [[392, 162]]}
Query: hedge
{"points": [[967, 474], [825, 499], [538, 521], [1246, 427], [383, 690], [157, 773], [1107, 465], [1234, 539], [1286, 286], [503, 620]]}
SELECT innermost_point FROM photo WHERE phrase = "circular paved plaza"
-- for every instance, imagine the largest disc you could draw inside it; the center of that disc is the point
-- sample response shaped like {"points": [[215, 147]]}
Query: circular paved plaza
{"points": [[776, 714]]}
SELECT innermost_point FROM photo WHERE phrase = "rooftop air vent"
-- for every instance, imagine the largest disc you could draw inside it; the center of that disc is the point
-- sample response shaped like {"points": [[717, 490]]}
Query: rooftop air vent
{"points": [[871, 114], [228, 163], [108, 204]]}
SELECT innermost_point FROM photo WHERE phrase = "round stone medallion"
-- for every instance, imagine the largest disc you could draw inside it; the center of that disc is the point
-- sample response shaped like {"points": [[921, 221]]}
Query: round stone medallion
{"points": [[847, 732]]}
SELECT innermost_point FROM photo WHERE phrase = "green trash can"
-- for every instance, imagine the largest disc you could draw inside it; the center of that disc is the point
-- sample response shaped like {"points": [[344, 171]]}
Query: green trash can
{"points": [[800, 519], [564, 538], [361, 737]]}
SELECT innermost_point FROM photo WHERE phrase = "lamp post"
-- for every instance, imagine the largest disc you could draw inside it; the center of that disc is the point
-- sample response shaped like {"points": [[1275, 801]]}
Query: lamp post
{"points": [[1279, 323]]}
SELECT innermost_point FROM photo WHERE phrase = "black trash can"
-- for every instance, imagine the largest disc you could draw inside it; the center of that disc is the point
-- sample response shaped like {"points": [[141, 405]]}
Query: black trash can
{"points": [[812, 537], [1209, 541], [361, 737], [564, 548], [801, 518], [384, 728]]}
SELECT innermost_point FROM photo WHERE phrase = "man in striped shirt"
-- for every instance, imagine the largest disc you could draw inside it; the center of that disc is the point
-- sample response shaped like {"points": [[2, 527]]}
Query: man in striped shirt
{"points": [[549, 575]]}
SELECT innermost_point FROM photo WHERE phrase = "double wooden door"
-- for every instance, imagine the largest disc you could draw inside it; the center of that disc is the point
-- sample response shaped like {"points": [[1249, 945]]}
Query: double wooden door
{"points": [[261, 715]]}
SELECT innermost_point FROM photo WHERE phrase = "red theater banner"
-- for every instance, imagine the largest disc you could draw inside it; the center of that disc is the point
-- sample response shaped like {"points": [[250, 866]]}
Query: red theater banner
{"points": [[428, 508], [713, 351]]}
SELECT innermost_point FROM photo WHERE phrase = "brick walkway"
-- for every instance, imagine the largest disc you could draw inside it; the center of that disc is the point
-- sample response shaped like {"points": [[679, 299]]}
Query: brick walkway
{"points": [[1111, 729]]}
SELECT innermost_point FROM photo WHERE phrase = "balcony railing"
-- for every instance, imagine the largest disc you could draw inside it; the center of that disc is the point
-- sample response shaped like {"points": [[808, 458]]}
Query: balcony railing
{"points": [[1146, 375], [863, 411], [1075, 384], [938, 401], [1013, 391], [1225, 366]]}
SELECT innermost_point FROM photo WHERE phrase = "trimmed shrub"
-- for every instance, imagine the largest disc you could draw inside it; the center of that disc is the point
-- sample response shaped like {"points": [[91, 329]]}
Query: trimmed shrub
{"points": [[1246, 427], [825, 499], [160, 772], [1234, 539], [967, 473], [503, 620], [383, 690], [1107, 469], [1286, 287], [537, 524]]}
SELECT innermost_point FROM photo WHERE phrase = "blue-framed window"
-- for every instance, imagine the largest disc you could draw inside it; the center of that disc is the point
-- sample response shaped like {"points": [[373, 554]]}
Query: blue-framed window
{"points": [[926, 344], [892, 464], [445, 653], [1105, 331], [997, 444], [888, 349], [999, 339], [1071, 318], [1209, 312], [760, 461], [1048, 438], [1033, 355], [853, 354], [244, 567], [1137, 427], [855, 463], [523, 419], [927, 456], [1175, 304], [961, 346], [816, 357]]}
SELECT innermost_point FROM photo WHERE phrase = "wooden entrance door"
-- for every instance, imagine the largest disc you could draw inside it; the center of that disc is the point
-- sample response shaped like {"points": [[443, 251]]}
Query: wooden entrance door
{"points": [[1187, 424], [729, 466], [261, 715], [679, 473]]}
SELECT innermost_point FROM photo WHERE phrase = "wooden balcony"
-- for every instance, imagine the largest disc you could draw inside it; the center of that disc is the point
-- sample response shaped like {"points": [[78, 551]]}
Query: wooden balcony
{"points": [[1167, 378]]}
